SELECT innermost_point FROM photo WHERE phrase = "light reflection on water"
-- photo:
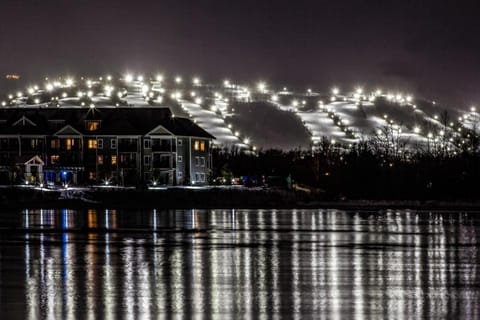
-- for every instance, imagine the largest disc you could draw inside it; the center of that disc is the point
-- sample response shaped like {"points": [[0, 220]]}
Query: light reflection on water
{"points": [[110, 264]]}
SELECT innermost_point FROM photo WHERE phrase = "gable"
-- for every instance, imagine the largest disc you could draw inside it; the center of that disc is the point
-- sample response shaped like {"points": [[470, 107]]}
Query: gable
{"points": [[68, 130], [24, 121], [159, 131]]}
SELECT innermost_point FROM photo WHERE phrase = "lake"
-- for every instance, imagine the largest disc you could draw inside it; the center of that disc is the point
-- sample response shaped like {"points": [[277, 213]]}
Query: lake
{"points": [[280, 264]]}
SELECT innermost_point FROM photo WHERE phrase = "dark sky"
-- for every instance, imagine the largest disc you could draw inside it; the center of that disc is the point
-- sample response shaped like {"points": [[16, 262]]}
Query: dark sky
{"points": [[428, 48]]}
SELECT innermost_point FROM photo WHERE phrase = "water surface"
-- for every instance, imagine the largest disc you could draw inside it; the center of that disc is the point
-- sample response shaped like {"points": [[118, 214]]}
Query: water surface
{"points": [[114, 264]]}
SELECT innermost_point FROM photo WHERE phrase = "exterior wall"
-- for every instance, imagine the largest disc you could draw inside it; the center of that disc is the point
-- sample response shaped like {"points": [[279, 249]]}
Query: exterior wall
{"points": [[199, 160], [107, 160], [129, 159], [183, 156], [172, 160], [163, 160]]}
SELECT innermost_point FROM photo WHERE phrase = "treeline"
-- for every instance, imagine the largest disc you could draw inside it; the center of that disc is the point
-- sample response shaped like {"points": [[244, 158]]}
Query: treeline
{"points": [[373, 169]]}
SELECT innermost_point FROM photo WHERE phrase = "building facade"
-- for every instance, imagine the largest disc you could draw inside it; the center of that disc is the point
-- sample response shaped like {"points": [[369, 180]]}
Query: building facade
{"points": [[124, 146]]}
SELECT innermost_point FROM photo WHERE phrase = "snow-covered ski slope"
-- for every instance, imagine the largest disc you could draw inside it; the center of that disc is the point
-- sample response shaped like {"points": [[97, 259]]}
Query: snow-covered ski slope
{"points": [[246, 117]]}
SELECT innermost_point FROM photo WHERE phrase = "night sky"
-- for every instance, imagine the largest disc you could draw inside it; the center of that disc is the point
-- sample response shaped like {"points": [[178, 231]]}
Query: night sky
{"points": [[427, 48]]}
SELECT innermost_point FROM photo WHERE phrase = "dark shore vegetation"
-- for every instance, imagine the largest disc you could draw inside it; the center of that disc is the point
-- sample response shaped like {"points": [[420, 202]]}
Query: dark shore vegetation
{"points": [[378, 169]]}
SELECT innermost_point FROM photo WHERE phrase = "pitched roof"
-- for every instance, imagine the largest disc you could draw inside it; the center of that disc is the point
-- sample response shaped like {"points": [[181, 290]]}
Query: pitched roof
{"points": [[114, 121]]}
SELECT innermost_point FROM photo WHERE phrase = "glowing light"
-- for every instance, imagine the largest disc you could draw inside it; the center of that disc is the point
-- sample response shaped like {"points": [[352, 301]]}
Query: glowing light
{"points": [[92, 106], [64, 95], [69, 82], [274, 98], [473, 109], [178, 79], [31, 90], [140, 78], [196, 81], [359, 90], [198, 100], [128, 78], [226, 83], [49, 87], [159, 78], [19, 94], [335, 91], [409, 98], [261, 86], [109, 78], [416, 130], [246, 141]]}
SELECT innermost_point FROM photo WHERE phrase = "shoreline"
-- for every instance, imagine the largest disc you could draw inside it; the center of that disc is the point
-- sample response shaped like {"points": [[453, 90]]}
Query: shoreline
{"points": [[215, 198]]}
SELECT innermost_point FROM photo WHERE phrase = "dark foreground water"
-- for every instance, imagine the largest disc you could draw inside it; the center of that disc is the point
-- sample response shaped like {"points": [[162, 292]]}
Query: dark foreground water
{"points": [[111, 264]]}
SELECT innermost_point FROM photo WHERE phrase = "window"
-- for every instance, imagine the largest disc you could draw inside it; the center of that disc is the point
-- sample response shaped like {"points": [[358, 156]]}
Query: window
{"points": [[180, 142], [147, 144], [54, 158], [54, 144], [93, 125], [202, 161], [197, 161], [202, 177], [147, 160], [202, 146], [196, 145], [91, 175], [69, 143], [179, 174], [180, 159], [100, 143], [113, 144], [92, 143], [100, 160], [114, 160], [34, 143]]}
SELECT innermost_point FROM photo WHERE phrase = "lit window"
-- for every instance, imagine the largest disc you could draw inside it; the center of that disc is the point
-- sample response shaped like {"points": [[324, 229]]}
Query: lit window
{"points": [[92, 143], [114, 160], [34, 143], [93, 125], [202, 146], [100, 160], [69, 143], [54, 144], [54, 159], [100, 143], [196, 145], [113, 144]]}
